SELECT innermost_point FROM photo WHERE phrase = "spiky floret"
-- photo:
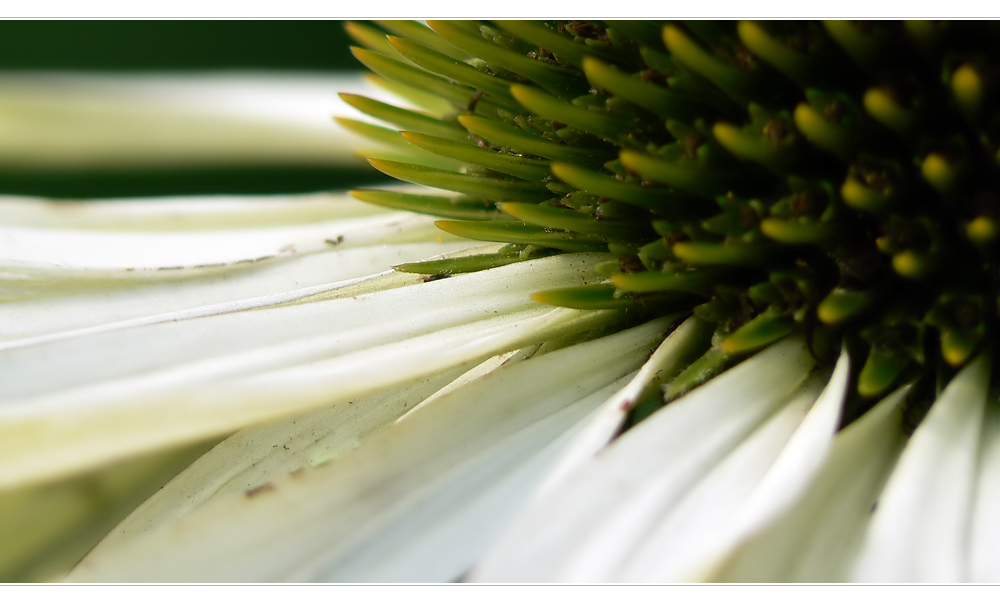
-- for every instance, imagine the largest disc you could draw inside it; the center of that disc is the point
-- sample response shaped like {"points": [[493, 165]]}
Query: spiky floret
{"points": [[838, 178]]}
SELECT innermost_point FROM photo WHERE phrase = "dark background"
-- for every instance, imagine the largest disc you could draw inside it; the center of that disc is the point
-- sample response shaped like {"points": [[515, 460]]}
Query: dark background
{"points": [[174, 45], [130, 46]]}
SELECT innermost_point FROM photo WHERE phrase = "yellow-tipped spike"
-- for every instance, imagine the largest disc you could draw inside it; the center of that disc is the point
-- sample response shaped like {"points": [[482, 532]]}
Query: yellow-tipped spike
{"points": [[939, 172], [967, 89]]}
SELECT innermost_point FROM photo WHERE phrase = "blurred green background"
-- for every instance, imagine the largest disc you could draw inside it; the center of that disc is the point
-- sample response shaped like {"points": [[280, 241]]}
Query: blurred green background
{"points": [[177, 46], [174, 45]]}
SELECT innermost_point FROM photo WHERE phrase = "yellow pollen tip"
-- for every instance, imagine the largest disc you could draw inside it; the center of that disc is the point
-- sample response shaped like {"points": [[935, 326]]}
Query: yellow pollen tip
{"points": [[908, 264], [967, 87], [982, 230], [938, 172]]}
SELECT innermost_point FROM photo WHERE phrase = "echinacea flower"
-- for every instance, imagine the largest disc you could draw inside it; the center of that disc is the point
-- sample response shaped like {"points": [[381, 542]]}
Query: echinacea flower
{"points": [[703, 351]]}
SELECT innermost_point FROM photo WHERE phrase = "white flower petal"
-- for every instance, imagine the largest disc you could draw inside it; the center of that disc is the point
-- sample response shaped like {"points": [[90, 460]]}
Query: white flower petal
{"points": [[668, 360], [242, 287], [919, 531], [707, 519], [339, 321], [816, 539], [27, 251], [252, 457], [984, 527], [476, 372], [587, 526], [760, 479], [805, 453], [86, 400], [437, 477], [467, 509], [185, 213], [57, 250]]}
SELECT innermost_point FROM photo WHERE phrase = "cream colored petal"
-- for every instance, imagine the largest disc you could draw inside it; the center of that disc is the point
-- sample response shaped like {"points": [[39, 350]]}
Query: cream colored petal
{"points": [[184, 213], [29, 251], [253, 457], [668, 360], [583, 529], [52, 250], [919, 533], [313, 328], [817, 538], [295, 279], [475, 373], [706, 520], [808, 449], [759, 480], [984, 525], [90, 399], [439, 477]]}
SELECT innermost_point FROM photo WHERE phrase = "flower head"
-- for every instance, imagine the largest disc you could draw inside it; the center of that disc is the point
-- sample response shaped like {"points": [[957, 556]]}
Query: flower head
{"points": [[734, 324]]}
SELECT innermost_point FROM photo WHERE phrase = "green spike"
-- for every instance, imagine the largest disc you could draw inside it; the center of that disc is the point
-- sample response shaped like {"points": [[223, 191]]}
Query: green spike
{"points": [[666, 202], [503, 135], [914, 264], [842, 305], [409, 120], [398, 146], [424, 35], [699, 282], [457, 95], [492, 189], [411, 155], [369, 37], [710, 364], [721, 254], [682, 175], [881, 105], [461, 265], [648, 96], [882, 369], [539, 34], [823, 133], [797, 66], [379, 134], [567, 219], [458, 71], [596, 122], [957, 347], [800, 232], [682, 81], [968, 90], [738, 86], [863, 198], [748, 144], [521, 167], [515, 232], [603, 297], [941, 173], [759, 333], [459, 208], [417, 98], [557, 80], [983, 231]]}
